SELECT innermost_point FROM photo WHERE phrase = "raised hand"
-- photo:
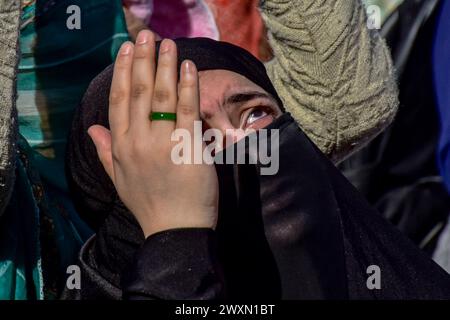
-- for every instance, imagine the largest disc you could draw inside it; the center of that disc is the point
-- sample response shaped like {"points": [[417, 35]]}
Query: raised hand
{"points": [[136, 152]]}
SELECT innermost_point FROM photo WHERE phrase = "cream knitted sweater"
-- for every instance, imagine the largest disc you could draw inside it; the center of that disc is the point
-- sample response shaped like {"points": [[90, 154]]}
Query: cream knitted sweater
{"points": [[9, 30], [333, 74]]}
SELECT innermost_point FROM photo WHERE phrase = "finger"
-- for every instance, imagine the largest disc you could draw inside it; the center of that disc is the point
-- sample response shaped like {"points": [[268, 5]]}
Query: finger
{"points": [[142, 80], [188, 108], [165, 91], [102, 141], [119, 96]]}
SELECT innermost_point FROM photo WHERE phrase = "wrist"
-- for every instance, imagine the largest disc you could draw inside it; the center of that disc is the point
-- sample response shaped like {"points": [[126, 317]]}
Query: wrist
{"points": [[165, 221]]}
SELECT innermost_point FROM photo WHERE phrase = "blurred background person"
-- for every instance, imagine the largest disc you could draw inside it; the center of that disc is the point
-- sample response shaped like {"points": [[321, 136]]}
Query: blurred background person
{"points": [[40, 231], [398, 171], [441, 58]]}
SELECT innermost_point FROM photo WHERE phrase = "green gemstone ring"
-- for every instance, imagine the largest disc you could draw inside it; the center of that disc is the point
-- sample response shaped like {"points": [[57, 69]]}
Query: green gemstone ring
{"points": [[167, 116]]}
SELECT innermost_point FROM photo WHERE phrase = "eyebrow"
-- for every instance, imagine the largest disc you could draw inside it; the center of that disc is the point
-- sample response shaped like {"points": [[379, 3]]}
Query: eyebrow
{"points": [[243, 97]]}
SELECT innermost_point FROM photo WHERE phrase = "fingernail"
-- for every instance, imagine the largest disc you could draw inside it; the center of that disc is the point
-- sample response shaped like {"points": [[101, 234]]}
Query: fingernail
{"points": [[165, 46], [188, 67], [126, 49], [142, 38]]}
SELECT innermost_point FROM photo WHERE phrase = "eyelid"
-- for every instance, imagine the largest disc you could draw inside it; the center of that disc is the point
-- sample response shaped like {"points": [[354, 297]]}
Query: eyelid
{"points": [[246, 113]]}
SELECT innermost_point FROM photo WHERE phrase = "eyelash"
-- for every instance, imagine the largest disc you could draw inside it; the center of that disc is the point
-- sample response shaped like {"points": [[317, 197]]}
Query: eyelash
{"points": [[246, 114]]}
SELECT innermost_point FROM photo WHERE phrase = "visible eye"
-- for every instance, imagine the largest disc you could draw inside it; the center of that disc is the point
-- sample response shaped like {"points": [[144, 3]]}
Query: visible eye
{"points": [[258, 117], [255, 115]]}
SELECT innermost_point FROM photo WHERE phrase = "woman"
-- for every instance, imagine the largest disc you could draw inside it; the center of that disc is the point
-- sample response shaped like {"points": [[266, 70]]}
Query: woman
{"points": [[204, 232], [315, 46]]}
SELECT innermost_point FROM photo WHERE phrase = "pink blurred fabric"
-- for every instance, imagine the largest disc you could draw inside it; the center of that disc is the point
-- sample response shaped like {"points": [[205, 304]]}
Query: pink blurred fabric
{"points": [[176, 18], [235, 21]]}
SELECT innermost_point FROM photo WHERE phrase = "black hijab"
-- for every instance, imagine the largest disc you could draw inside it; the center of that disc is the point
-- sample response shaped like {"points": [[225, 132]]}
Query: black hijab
{"points": [[93, 191], [303, 233]]}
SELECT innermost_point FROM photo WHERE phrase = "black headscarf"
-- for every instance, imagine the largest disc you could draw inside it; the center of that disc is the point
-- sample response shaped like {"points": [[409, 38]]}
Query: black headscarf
{"points": [[93, 190], [303, 233]]}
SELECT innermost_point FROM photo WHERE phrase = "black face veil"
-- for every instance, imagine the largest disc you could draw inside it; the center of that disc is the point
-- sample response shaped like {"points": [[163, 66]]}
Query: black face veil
{"points": [[302, 233]]}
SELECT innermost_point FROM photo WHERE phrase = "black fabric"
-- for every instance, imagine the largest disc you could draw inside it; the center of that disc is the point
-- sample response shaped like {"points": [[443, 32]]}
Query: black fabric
{"points": [[303, 233], [208, 54], [322, 233], [397, 172], [180, 264], [284, 228]]}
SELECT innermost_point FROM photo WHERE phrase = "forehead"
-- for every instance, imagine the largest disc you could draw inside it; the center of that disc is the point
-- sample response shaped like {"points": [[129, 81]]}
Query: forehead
{"points": [[215, 85]]}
